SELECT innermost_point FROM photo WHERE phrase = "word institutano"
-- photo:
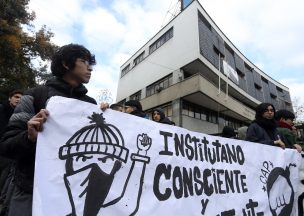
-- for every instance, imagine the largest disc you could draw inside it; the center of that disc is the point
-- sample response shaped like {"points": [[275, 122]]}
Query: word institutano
{"points": [[198, 180]]}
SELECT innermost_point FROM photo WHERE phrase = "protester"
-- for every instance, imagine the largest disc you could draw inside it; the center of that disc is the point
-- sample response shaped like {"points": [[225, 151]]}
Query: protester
{"points": [[6, 111], [134, 107], [158, 115], [7, 108], [241, 132], [285, 120], [117, 107], [264, 129], [228, 132], [71, 66]]}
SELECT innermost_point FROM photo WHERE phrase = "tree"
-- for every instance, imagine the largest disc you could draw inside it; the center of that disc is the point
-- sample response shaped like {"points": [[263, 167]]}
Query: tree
{"points": [[298, 110], [20, 47]]}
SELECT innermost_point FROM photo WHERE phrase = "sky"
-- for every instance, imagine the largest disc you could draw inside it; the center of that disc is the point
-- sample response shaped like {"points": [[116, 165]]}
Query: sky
{"points": [[269, 33]]}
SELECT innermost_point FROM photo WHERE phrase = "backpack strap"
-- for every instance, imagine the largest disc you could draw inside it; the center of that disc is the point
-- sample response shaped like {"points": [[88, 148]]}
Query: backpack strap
{"points": [[40, 95]]}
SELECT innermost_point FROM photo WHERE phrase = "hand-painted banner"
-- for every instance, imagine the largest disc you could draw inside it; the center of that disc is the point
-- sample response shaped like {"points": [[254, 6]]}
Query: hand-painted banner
{"points": [[112, 163]]}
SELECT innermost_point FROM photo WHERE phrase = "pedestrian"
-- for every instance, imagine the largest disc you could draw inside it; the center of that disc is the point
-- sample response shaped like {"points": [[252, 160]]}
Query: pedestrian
{"points": [[158, 115], [228, 132], [285, 128], [264, 128], [134, 107], [71, 67]]}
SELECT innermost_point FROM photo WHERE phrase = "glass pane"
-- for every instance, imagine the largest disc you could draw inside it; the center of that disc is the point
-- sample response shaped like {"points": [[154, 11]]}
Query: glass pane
{"points": [[191, 111], [170, 80], [197, 115], [169, 110], [185, 109], [166, 83]]}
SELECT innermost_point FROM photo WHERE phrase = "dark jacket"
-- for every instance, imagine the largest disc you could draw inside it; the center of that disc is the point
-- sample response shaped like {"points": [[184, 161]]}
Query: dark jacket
{"points": [[163, 118], [256, 133], [15, 144], [285, 132], [139, 113], [6, 112]]}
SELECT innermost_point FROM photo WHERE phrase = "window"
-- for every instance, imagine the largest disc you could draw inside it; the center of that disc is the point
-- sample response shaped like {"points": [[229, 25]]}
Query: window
{"points": [[136, 96], [279, 89], [160, 41], [199, 112], [240, 73], [203, 19], [248, 67], [159, 86], [273, 96], [264, 79], [139, 58], [125, 70], [257, 86]]}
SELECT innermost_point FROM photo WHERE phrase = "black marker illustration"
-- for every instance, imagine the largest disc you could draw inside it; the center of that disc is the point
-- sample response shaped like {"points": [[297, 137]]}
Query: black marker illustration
{"points": [[94, 154], [281, 198]]}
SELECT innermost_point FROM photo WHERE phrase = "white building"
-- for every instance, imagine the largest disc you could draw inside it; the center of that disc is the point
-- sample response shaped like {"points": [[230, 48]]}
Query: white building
{"points": [[178, 70]]}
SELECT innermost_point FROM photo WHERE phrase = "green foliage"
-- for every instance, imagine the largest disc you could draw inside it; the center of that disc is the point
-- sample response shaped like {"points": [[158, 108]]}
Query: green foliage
{"points": [[23, 52]]}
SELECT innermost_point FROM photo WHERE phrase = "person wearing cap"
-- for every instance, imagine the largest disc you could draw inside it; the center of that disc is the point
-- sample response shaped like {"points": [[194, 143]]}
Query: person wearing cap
{"points": [[71, 67], [264, 128], [134, 107], [285, 120], [158, 115]]}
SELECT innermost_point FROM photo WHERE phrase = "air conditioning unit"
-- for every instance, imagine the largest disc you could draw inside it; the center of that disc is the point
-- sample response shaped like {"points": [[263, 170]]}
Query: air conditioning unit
{"points": [[158, 88]]}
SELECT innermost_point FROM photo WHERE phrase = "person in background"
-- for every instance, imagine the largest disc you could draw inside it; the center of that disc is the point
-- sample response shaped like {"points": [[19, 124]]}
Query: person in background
{"points": [[134, 107], [264, 128], [285, 120], [158, 115], [71, 67], [241, 132], [7, 108], [228, 132], [117, 107], [6, 111]]}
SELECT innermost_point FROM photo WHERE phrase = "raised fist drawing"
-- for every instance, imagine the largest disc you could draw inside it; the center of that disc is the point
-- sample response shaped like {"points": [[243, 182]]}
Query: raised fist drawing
{"points": [[280, 191], [144, 143]]}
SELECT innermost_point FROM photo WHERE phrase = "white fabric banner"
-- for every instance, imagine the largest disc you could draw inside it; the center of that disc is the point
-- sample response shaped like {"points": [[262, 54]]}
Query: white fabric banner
{"points": [[230, 72], [112, 163]]}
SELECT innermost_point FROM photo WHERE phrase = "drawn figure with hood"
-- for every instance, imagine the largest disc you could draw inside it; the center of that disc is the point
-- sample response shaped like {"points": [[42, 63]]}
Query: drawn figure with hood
{"points": [[158, 115], [94, 154]]}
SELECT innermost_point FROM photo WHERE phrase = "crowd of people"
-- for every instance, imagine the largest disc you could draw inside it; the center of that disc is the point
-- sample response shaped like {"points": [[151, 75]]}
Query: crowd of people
{"points": [[71, 67], [270, 127]]}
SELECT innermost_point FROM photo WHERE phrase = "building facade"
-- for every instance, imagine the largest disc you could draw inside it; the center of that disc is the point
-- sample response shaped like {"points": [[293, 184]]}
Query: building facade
{"points": [[182, 70]]}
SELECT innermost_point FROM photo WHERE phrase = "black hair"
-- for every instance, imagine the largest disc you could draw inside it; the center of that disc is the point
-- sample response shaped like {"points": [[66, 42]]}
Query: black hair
{"points": [[285, 114], [115, 106], [228, 132], [134, 103], [17, 91], [68, 55], [161, 113], [261, 109]]}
